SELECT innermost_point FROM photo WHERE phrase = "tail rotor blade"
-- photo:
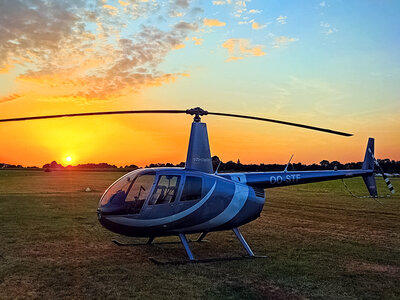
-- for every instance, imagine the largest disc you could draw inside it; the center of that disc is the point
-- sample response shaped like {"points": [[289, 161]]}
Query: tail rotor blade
{"points": [[385, 178]]}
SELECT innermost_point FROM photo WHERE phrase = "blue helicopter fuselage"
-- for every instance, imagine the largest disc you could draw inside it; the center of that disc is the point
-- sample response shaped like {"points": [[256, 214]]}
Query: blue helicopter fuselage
{"points": [[168, 201]]}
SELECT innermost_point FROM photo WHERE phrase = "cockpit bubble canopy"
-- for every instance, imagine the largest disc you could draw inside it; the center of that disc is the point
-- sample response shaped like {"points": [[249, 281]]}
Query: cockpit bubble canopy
{"points": [[128, 194]]}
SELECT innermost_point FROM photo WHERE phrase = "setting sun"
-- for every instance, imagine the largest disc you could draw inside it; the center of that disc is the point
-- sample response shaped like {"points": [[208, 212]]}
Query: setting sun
{"points": [[68, 158]]}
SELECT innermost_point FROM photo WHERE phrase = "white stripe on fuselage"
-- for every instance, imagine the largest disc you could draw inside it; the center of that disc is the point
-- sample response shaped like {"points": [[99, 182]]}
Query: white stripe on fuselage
{"points": [[239, 199]]}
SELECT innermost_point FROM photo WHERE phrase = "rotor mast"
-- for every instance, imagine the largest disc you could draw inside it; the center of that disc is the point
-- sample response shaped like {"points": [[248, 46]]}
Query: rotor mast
{"points": [[198, 155]]}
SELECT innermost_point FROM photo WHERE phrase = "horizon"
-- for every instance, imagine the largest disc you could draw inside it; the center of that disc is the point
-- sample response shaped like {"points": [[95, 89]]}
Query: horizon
{"points": [[238, 161], [331, 64]]}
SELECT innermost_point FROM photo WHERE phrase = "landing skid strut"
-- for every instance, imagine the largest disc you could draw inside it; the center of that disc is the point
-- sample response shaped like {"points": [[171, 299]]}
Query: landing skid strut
{"points": [[185, 242]]}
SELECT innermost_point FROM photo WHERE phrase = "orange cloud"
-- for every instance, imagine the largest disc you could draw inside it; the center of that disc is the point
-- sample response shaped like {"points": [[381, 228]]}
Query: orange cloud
{"points": [[232, 58], [112, 10], [178, 46], [123, 3], [257, 51], [61, 59], [257, 26], [213, 23], [238, 48], [64, 87], [197, 41], [9, 98], [5, 69]]}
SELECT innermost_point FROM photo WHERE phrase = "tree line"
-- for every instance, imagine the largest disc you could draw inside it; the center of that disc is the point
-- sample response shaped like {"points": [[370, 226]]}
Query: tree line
{"points": [[389, 166]]}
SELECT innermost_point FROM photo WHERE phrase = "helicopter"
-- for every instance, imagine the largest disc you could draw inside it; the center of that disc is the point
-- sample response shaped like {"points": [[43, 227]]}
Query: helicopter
{"points": [[157, 202]]}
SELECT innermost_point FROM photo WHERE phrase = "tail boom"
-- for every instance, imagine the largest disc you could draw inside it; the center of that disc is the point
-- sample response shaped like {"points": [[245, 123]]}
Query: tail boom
{"points": [[267, 180]]}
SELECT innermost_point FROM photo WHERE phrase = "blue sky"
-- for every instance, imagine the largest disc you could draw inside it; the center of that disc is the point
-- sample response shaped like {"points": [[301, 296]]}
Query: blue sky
{"points": [[325, 63]]}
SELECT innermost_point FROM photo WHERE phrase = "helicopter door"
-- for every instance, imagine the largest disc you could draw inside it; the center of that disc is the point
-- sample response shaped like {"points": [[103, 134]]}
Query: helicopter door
{"points": [[166, 190], [192, 189], [162, 201]]}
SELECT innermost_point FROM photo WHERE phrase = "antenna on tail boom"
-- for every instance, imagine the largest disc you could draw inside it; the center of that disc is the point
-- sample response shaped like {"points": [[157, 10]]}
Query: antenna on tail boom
{"points": [[287, 165]]}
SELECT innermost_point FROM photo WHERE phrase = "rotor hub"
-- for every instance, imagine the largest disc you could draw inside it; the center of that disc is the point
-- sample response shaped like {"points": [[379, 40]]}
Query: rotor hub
{"points": [[197, 112]]}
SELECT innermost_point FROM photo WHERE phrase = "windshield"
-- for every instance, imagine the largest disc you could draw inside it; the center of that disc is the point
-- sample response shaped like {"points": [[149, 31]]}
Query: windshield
{"points": [[138, 193], [128, 194], [117, 192]]}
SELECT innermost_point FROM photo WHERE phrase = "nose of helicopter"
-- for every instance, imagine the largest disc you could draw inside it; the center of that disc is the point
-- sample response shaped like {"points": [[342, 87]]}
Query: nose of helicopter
{"points": [[103, 219], [100, 213]]}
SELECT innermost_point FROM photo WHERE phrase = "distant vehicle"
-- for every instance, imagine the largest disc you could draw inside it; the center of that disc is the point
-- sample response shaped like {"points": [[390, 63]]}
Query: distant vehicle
{"points": [[178, 201]]}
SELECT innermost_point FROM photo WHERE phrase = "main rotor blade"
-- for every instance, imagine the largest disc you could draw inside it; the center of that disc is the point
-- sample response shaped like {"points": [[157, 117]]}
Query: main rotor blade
{"points": [[194, 111], [120, 112], [282, 122]]}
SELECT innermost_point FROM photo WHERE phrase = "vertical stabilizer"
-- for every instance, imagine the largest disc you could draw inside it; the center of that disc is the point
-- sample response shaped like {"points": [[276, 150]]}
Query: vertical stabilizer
{"points": [[368, 164], [199, 156], [369, 161]]}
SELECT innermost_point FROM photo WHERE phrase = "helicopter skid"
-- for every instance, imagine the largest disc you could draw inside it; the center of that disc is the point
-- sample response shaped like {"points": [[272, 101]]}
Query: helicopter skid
{"points": [[118, 243], [205, 260]]}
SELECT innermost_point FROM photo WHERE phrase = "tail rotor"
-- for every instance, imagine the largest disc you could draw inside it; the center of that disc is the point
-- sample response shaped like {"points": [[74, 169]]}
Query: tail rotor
{"points": [[371, 166], [380, 170]]}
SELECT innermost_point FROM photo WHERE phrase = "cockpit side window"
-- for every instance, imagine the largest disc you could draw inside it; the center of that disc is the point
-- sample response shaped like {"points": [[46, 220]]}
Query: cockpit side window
{"points": [[192, 189], [166, 189]]}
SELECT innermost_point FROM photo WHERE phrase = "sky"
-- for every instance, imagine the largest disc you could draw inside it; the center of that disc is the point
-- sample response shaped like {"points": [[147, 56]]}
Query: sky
{"points": [[332, 64]]}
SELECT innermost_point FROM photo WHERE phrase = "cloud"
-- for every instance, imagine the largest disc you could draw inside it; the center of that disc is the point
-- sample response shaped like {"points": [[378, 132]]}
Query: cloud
{"points": [[328, 29], [233, 58], [219, 2], [185, 26], [73, 50], [257, 26], [197, 41], [181, 3], [175, 14], [178, 46], [123, 3], [5, 69], [323, 4], [213, 23], [280, 41], [281, 19], [10, 98], [112, 10], [240, 7], [27, 30], [240, 48]]}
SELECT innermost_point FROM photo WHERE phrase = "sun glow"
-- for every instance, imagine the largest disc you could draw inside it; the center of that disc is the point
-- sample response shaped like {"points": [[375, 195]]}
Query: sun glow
{"points": [[68, 159]]}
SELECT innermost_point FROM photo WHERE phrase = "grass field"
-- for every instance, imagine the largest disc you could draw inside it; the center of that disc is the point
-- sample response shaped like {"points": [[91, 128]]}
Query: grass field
{"points": [[320, 243]]}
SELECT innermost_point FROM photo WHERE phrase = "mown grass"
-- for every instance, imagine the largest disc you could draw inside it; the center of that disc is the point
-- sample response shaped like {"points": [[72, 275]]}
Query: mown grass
{"points": [[320, 243]]}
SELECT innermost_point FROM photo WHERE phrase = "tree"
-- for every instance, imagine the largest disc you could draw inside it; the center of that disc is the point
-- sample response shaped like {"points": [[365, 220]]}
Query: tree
{"points": [[324, 163]]}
